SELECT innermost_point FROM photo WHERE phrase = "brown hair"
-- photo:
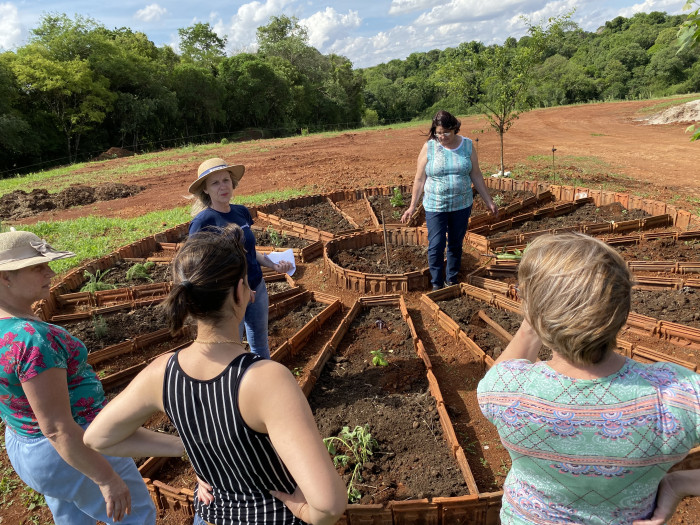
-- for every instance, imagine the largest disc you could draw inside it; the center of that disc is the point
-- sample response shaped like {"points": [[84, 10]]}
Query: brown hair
{"points": [[576, 294], [205, 270], [446, 120]]}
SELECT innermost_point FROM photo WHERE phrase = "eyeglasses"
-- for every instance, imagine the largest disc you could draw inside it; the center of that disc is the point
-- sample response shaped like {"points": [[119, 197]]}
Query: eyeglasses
{"points": [[444, 133]]}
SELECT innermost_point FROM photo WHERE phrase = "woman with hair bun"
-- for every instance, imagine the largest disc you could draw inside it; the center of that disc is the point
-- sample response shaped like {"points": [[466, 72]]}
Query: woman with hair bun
{"points": [[591, 433], [246, 425]]}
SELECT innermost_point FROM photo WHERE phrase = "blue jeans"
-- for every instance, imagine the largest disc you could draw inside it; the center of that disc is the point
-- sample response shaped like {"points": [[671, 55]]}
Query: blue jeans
{"points": [[74, 499], [254, 323], [449, 228]]}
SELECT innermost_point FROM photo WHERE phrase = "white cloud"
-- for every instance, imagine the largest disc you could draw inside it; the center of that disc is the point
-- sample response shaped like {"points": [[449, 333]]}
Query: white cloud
{"points": [[242, 29], [670, 6], [327, 24], [151, 13], [10, 27], [399, 7]]}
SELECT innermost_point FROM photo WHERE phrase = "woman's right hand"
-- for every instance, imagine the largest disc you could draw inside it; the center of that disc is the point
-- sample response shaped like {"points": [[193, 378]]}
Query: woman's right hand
{"points": [[295, 502], [407, 214], [117, 497]]}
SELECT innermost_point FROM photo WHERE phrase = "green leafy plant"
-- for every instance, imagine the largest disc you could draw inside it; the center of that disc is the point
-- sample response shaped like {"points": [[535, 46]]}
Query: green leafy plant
{"points": [[140, 271], [32, 499], [276, 238], [94, 281], [396, 199], [356, 447], [99, 325], [515, 256], [498, 200], [378, 358], [297, 371]]}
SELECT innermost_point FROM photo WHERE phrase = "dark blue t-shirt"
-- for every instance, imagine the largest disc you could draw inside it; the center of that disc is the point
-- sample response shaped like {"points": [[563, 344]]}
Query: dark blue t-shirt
{"points": [[210, 218]]}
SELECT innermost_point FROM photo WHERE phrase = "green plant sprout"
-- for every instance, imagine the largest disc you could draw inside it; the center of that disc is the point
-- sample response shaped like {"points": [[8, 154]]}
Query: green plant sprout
{"points": [[140, 271], [94, 283], [32, 499], [378, 358], [99, 325], [515, 256], [498, 200], [358, 445], [276, 238], [396, 199], [297, 371]]}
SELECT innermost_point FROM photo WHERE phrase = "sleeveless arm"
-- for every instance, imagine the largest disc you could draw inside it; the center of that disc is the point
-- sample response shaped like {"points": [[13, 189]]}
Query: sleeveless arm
{"points": [[418, 183], [272, 402], [117, 431]]}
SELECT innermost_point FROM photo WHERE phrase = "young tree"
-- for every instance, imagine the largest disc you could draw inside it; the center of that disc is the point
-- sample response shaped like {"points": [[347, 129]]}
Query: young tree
{"points": [[689, 35], [496, 78], [200, 44]]}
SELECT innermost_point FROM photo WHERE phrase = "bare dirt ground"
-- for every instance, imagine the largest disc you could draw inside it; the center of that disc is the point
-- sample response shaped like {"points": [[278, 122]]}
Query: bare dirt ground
{"points": [[659, 159]]}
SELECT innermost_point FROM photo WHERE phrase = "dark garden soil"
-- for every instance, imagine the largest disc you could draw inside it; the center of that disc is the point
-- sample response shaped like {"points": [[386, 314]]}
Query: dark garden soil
{"points": [[502, 198], [357, 211], [320, 215], [372, 259], [383, 204], [661, 250], [458, 373], [282, 328], [586, 214], [152, 273], [118, 326], [277, 286], [395, 403], [677, 306], [278, 239], [677, 350], [19, 203]]}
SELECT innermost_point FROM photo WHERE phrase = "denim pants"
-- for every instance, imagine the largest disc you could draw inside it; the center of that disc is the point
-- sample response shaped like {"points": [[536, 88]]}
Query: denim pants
{"points": [[254, 324], [72, 497], [449, 228]]}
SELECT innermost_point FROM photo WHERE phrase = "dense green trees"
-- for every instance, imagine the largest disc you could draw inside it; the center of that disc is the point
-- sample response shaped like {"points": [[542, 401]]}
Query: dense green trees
{"points": [[77, 88]]}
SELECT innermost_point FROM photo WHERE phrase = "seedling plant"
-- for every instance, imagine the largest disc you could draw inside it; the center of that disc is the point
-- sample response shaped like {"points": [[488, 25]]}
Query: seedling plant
{"points": [[140, 271], [94, 281], [356, 447], [397, 200], [276, 238], [378, 358]]}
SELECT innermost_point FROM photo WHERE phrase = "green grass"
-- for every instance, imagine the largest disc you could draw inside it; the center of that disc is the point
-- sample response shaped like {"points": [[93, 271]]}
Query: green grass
{"points": [[668, 102]]}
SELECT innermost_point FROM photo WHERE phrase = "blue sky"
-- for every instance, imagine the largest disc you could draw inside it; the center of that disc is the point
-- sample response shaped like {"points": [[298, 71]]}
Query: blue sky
{"points": [[367, 32]]}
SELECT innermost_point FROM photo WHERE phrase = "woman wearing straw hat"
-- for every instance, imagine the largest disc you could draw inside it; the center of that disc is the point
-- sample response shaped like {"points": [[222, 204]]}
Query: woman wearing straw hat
{"points": [[49, 395], [212, 209]]}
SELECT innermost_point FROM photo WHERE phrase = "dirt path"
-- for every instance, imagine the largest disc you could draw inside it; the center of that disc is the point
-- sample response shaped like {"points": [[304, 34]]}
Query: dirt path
{"points": [[660, 158]]}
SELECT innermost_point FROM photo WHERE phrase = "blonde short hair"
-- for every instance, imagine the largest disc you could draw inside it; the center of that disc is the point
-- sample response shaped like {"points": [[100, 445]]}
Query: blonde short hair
{"points": [[576, 294]]}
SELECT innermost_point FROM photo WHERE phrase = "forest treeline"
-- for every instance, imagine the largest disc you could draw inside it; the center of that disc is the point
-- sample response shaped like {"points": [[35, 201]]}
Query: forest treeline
{"points": [[77, 88]]}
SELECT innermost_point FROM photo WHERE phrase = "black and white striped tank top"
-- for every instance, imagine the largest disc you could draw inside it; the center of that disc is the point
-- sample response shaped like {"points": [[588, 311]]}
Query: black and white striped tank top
{"points": [[238, 462]]}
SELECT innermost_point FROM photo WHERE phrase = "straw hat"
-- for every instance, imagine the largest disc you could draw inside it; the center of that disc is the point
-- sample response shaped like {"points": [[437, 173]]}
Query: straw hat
{"points": [[216, 165], [21, 249]]}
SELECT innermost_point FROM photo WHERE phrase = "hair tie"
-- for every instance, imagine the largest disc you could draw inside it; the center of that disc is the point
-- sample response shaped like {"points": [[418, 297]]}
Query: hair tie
{"points": [[187, 285]]}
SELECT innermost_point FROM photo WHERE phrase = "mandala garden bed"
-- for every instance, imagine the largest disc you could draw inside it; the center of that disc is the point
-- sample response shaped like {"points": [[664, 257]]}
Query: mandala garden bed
{"points": [[365, 282], [434, 366]]}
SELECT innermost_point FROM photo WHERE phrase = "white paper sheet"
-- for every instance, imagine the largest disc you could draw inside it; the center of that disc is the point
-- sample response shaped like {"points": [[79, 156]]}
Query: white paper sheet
{"points": [[287, 255]]}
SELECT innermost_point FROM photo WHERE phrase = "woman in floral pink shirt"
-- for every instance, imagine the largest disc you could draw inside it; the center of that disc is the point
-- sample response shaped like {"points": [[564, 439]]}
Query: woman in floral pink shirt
{"points": [[49, 395]]}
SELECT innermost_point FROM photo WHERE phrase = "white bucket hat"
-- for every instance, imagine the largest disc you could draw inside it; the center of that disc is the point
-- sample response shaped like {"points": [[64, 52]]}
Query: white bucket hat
{"points": [[216, 165], [21, 249]]}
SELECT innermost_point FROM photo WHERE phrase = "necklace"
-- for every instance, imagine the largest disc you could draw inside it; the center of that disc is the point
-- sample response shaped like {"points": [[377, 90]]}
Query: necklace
{"points": [[222, 342]]}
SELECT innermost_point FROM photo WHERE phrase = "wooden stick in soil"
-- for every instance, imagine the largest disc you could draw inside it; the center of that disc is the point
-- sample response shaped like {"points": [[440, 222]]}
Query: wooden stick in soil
{"points": [[386, 246]]}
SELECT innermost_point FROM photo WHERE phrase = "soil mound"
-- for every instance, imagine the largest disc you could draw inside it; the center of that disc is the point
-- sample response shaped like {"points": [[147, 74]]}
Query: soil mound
{"points": [[688, 112], [114, 153], [19, 204]]}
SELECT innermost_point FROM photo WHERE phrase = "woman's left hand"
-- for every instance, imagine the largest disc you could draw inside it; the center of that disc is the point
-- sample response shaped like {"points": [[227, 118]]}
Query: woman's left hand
{"points": [[295, 502], [282, 266]]}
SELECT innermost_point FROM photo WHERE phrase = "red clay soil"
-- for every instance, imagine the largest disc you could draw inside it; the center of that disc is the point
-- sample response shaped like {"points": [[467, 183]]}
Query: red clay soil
{"points": [[659, 158]]}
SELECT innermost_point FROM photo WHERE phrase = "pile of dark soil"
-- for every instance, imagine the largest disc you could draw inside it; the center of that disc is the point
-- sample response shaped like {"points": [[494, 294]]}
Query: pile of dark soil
{"points": [[19, 204]]}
